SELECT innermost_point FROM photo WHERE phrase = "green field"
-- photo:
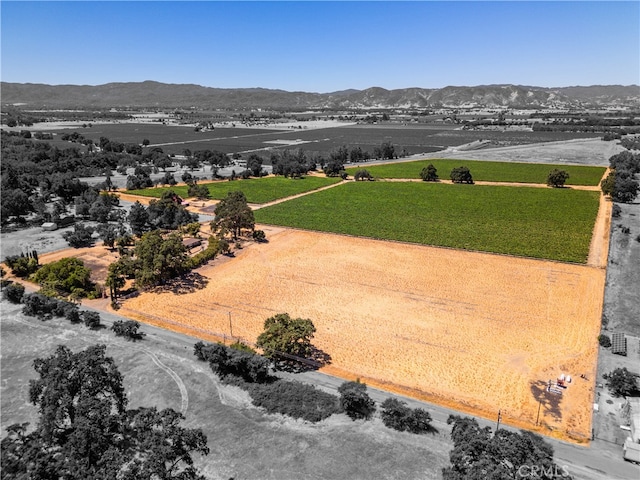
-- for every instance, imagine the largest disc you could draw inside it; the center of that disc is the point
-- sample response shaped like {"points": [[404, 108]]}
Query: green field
{"points": [[554, 224], [257, 190], [487, 171]]}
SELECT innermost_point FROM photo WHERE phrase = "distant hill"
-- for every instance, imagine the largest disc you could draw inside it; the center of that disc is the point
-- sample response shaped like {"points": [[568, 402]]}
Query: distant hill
{"points": [[155, 94]]}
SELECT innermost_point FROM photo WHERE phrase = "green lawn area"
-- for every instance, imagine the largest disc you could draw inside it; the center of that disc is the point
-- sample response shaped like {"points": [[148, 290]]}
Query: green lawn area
{"points": [[257, 190], [553, 224], [487, 171]]}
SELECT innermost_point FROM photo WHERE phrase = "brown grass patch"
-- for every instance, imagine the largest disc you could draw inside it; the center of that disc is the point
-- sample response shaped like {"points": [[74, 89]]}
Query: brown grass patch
{"points": [[477, 332]]}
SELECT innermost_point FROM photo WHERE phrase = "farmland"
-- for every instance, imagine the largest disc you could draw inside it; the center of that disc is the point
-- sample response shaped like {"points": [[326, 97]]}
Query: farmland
{"points": [[174, 139], [476, 332], [488, 171], [261, 190], [553, 224]]}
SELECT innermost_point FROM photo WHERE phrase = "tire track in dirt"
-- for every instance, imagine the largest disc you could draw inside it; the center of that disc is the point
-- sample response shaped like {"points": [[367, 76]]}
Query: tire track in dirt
{"points": [[184, 394], [184, 404]]}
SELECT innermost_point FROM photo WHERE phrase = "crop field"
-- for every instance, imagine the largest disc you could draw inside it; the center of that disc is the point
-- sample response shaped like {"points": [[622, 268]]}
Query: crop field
{"points": [[257, 190], [414, 138], [487, 171], [475, 332], [553, 224]]}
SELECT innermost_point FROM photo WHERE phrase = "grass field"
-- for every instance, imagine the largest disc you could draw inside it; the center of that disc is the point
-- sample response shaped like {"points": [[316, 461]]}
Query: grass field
{"points": [[553, 224], [257, 190], [244, 442], [487, 171]]}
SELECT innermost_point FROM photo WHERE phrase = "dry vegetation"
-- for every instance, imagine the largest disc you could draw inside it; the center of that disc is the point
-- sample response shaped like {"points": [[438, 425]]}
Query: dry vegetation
{"points": [[477, 332]]}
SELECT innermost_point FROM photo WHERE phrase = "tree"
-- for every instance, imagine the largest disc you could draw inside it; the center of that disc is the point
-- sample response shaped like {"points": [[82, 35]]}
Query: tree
{"points": [[626, 189], [80, 236], [477, 454], [145, 142], [283, 334], [201, 192], [13, 292], [168, 212], [608, 184], [429, 173], [158, 259], [355, 401], [254, 164], [91, 319], [138, 218], [361, 175], [461, 175], [85, 430], [620, 186], [387, 150], [557, 178], [65, 277], [233, 214], [621, 382], [127, 328], [333, 168], [108, 234], [397, 415], [15, 203], [115, 278]]}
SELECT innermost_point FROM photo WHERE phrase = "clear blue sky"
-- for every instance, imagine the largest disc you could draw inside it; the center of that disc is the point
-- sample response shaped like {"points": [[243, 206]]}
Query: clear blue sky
{"points": [[322, 46]]}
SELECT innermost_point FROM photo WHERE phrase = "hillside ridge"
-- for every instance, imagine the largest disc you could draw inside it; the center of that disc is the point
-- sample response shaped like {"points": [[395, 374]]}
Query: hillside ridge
{"points": [[150, 93]]}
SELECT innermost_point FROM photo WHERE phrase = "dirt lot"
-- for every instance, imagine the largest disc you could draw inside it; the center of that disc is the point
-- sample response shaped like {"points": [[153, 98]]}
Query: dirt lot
{"points": [[477, 332]]}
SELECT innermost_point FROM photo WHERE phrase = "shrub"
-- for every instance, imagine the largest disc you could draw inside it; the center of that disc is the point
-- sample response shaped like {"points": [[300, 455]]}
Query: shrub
{"points": [[397, 415], [259, 236], [616, 211], [127, 328], [242, 347], [13, 292], [557, 178], [429, 173], [461, 175], [362, 175], [43, 307], [21, 266], [604, 341], [233, 361], [355, 401], [91, 319], [621, 382], [294, 399]]}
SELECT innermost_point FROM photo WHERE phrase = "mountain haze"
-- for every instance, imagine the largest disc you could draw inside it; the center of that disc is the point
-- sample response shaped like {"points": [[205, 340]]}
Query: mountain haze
{"points": [[156, 94]]}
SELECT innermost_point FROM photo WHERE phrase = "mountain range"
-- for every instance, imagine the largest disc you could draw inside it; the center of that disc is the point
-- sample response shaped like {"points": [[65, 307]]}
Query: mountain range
{"points": [[152, 94]]}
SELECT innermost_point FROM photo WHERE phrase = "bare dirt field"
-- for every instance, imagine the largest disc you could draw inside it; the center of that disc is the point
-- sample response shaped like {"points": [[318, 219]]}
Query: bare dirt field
{"points": [[476, 332], [570, 152]]}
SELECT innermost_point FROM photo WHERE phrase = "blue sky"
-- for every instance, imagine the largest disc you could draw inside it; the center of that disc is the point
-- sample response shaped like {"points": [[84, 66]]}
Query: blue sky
{"points": [[322, 46]]}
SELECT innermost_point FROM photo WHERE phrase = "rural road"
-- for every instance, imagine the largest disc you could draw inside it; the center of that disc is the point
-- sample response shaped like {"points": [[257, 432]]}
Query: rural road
{"points": [[598, 461]]}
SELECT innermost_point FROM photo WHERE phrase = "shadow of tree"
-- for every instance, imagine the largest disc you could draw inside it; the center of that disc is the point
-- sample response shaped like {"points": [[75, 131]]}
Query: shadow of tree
{"points": [[293, 364], [549, 401], [187, 283]]}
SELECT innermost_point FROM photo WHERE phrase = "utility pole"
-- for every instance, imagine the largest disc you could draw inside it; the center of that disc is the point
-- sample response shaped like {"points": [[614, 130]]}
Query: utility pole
{"points": [[498, 424], [230, 325], [539, 405]]}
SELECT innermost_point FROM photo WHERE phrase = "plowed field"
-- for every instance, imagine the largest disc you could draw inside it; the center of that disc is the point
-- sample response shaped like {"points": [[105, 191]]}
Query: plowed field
{"points": [[478, 332]]}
